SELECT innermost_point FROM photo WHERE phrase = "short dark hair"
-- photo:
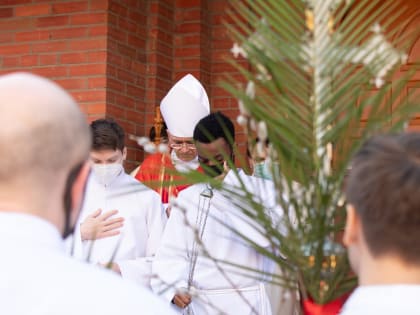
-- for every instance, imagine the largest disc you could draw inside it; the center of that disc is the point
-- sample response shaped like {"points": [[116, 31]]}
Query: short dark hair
{"points": [[383, 186], [107, 135], [215, 126]]}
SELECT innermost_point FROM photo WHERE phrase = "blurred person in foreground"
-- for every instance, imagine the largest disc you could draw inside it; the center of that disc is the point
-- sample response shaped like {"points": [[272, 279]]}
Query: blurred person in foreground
{"points": [[382, 231], [45, 144]]}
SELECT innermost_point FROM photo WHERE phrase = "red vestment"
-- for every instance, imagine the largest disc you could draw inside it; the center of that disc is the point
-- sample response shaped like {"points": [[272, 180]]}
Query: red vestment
{"points": [[158, 172]]}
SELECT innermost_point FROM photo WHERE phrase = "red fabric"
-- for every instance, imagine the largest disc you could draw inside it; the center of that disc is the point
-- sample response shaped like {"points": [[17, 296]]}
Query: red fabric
{"points": [[157, 172], [331, 308]]}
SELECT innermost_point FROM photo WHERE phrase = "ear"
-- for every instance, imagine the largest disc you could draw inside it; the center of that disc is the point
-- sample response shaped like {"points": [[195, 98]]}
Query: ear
{"points": [[351, 235], [78, 190], [124, 153]]}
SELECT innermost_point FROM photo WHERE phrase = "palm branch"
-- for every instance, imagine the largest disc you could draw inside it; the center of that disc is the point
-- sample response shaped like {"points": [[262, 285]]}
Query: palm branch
{"points": [[318, 75]]}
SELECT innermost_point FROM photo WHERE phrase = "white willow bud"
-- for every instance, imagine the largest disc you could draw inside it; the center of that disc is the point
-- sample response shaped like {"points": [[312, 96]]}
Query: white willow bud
{"points": [[262, 131], [253, 124], [250, 89], [142, 141], [260, 149], [242, 108], [150, 147], [379, 82], [242, 120], [237, 50], [163, 148]]}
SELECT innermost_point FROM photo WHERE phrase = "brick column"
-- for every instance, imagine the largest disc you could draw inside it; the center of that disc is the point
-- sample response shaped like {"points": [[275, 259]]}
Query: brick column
{"points": [[119, 58], [160, 28], [221, 44], [65, 41], [192, 40], [126, 69]]}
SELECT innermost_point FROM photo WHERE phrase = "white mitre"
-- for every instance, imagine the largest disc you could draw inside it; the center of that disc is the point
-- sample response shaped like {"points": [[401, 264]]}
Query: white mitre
{"points": [[184, 105]]}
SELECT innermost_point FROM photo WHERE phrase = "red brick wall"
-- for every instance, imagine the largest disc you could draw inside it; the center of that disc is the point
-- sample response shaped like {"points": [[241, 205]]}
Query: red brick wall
{"points": [[159, 56], [118, 58], [220, 68], [62, 40], [192, 40], [202, 47], [126, 68]]}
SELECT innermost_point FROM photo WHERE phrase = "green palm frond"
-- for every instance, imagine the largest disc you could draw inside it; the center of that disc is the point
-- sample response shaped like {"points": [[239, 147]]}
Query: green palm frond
{"points": [[321, 79]]}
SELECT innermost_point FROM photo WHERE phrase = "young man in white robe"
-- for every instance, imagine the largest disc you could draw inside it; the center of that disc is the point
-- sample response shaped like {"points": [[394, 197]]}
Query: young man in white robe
{"points": [[184, 275], [383, 226], [45, 143], [122, 220]]}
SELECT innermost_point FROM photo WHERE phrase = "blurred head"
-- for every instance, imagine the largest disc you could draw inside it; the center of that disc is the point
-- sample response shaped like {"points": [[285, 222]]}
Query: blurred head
{"points": [[44, 144], [214, 136], [383, 215], [108, 150]]}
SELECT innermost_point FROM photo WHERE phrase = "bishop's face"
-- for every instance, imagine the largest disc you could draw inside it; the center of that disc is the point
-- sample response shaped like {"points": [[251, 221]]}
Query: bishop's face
{"points": [[184, 148], [212, 156]]}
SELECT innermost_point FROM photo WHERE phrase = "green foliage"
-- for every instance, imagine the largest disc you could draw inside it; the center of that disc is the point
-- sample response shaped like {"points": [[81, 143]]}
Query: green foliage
{"points": [[319, 82]]}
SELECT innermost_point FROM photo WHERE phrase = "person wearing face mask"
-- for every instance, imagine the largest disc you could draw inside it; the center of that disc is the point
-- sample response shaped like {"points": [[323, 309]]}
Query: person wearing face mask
{"points": [[185, 275], [45, 143], [121, 220], [182, 107], [260, 166]]}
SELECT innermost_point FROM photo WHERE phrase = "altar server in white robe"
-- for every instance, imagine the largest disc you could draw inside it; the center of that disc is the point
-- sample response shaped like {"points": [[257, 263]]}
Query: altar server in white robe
{"points": [[383, 226], [184, 275], [45, 143], [122, 220]]}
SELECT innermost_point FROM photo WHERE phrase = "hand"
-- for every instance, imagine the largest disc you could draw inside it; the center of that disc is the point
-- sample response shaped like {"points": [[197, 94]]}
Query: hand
{"points": [[168, 211], [99, 225], [181, 300], [112, 266]]}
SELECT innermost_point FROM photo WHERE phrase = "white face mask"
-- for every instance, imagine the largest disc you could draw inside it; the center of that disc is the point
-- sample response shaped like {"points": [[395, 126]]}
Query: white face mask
{"points": [[263, 170], [106, 173], [184, 166]]}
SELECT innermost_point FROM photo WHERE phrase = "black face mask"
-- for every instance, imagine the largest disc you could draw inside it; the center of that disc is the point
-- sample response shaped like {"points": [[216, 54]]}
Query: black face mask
{"points": [[68, 205], [213, 170]]}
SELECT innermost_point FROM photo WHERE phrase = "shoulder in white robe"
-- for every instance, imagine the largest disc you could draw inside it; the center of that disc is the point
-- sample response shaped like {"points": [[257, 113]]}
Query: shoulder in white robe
{"points": [[37, 277], [383, 300], [215, 281]]}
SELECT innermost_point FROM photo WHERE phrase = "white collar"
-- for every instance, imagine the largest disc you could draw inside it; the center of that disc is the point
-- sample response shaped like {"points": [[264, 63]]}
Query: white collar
{"points": [[374, 297], [23, 230], [184, 166]]}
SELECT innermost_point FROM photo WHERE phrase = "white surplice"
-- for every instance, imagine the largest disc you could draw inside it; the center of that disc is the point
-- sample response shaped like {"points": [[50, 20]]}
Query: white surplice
{"points": [[233, 290], [37, 277], [383, 300], [144, 221]]}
